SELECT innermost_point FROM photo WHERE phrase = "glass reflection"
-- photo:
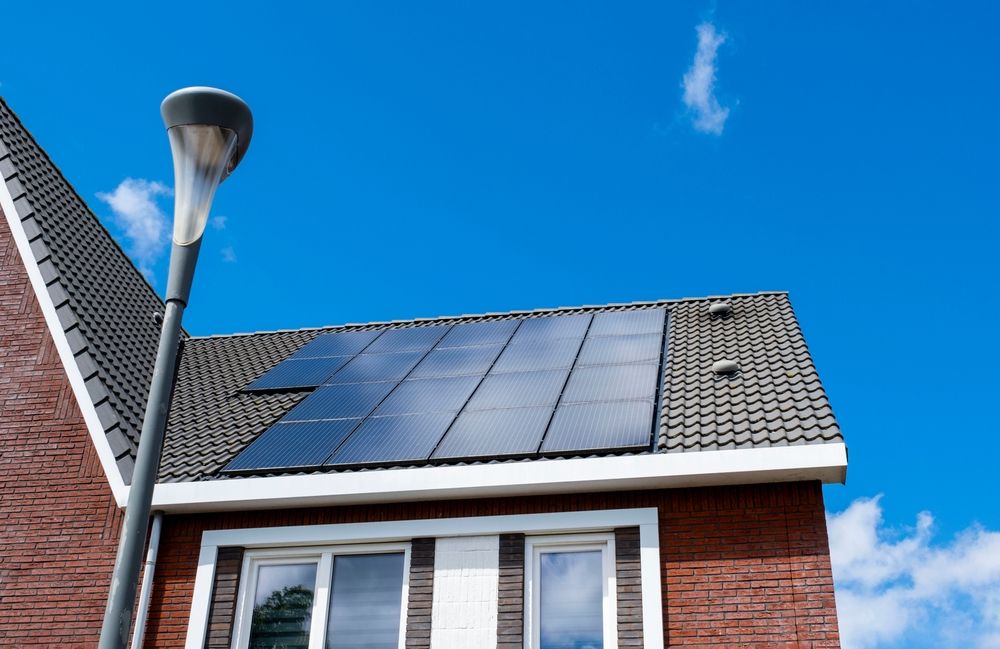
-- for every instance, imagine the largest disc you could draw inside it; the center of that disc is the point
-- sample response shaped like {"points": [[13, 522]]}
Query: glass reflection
{"points": [[365, 602], [282, 608], [571, 600]]}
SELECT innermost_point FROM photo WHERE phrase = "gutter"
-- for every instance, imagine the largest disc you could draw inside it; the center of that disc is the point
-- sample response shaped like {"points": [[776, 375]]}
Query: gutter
{"points": [[145, 595]]}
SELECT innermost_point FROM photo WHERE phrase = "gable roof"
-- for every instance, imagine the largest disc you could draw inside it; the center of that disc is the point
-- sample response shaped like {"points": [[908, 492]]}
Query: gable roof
{"points": [[776, 399], [104, 304]]}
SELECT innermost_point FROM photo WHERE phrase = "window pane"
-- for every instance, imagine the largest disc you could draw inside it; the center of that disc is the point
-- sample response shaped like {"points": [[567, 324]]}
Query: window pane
{"points": [[571, 600], [282, 607], [365, 602]]}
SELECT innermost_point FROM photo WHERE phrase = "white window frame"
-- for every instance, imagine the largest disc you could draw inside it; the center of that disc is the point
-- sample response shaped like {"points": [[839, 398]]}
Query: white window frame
{"points": [[324, 558], [535, 547], [313, 536]]}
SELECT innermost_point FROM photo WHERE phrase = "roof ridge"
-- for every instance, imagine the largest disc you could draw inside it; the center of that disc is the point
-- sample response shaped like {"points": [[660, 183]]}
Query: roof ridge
{"points": [[492, 314]]}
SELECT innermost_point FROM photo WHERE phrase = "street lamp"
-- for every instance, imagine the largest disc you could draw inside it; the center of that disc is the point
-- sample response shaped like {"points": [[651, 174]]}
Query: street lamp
{"points": [[209, 131]]}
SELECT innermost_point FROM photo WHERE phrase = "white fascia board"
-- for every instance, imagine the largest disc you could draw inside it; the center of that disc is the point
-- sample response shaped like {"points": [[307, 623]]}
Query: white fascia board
{"points": [[824, 462], [101, 444]]}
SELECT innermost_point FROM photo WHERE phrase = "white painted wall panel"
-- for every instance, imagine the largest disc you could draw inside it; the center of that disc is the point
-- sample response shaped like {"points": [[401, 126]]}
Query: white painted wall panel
{"points": [[466, 579]]}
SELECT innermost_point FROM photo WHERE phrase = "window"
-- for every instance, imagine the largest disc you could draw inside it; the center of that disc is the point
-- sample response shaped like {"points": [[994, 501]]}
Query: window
{"points": [[569, 592], [347, 597]]}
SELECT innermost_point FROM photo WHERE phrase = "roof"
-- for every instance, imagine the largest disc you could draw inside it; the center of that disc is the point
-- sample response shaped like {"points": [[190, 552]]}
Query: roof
{"points": [[104, 304], [776, 399]]}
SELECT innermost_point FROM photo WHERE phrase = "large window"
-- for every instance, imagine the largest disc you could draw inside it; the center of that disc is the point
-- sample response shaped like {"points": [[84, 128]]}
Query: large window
{"points": [[349, 597], [570, 592]]}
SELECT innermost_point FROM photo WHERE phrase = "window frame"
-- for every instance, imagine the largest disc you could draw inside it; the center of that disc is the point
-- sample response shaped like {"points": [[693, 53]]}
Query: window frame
{"points": [[535, 547], [324, 557]]}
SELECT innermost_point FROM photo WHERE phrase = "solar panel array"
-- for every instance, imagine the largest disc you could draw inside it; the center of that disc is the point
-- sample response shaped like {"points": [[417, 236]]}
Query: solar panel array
{"points": [[553, 385]]}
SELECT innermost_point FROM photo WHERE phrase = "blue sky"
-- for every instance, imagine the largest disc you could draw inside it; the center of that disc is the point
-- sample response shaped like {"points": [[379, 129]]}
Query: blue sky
{"points": [[444, 158]]}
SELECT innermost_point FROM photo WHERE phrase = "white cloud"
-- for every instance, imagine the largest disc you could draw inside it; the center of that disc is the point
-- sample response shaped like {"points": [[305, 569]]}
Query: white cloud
{"points": [[897, 586], [218, 222], [699, 83], [228, 255], [142, 221]]}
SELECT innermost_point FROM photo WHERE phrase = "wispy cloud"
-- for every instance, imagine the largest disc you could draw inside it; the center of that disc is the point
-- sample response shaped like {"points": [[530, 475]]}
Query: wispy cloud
{"points": [[894, 586], [228, 255], [141, 220], [218, 222], [699, 83]]}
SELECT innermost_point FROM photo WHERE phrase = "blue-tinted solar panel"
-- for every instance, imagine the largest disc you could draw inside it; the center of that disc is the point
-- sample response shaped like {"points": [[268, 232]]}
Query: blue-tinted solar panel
{"points": [[347, 343], [611, 383], [538, 355], [340, 401], [285, 446], [518, 390], [457, 361], [552, 327], [479, 333], [385, 440], [299, 373], [414, 339], [624, 323], [495, 433], [608, 350], [429, 395], [600, 426], [377, 367]]}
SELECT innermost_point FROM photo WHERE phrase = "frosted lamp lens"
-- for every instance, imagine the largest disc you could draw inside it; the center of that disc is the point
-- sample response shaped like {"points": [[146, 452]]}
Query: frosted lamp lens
{"points": [[202, 155]]}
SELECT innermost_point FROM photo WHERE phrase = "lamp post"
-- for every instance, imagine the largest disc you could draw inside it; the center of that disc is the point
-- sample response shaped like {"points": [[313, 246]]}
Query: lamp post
{"points": [[209, 131]]}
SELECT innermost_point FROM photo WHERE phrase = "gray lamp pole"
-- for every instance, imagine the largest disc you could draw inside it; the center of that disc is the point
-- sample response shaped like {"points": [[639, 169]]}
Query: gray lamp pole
{"points": [[209, 131]]}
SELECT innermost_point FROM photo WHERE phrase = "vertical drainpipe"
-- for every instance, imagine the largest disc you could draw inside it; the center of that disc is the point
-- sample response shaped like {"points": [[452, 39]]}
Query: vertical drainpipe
{"points": [[147, 582]]}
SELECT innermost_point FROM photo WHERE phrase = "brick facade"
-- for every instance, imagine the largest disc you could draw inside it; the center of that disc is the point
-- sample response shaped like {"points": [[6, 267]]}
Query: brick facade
{"points": [[741, 566]]}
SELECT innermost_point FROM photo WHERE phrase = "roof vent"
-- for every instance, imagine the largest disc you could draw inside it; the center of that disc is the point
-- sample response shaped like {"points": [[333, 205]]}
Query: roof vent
{"points": [[720, 309], [725, 367]]}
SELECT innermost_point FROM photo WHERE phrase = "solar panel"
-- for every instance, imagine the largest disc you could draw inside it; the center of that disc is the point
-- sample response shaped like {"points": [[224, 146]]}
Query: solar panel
{"points": [[340, 401], [299, 373], [457, 361], [600, 426], [623, 323], [518, 390], [496, 332], [377, 367], [610, 350], [495, 433], [552, 327], [346, 343], [285, 446], [387, 440], [429, 395], [538, 355], [611, 383], [413, 339]]}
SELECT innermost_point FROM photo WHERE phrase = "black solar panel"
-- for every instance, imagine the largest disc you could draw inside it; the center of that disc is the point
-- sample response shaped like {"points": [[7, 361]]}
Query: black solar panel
{"points": [[618, 425], [644, 348], [624, 323], [429, 395], [495, 433], [457, 361], [305, 444], [377, 367], [497, 332], [347, 343], [552, 327], [538, 355], [299, 373], [340, 401], [387, 440], [518, 390], [413, 339], [611, 383]]}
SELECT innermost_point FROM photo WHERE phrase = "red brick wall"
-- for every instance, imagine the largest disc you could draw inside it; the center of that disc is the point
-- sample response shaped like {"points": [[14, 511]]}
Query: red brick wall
{"points": [[58, 522], [741, 566]]}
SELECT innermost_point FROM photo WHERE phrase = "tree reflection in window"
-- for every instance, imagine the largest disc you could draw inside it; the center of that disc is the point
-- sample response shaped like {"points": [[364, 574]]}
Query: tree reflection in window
{"points": [[282, 609]]}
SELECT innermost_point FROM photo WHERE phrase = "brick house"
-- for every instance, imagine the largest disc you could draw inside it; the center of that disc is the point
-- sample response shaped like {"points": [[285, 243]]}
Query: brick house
{"points": [[642, 475]]}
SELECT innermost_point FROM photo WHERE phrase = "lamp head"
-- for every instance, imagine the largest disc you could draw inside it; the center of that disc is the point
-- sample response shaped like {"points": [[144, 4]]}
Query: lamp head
{"points": [[209, 131]]}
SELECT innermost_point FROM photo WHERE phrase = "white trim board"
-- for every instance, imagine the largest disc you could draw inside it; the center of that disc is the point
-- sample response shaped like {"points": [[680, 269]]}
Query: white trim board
{"points": [[824, 462], [387, 531], [101, 444]]}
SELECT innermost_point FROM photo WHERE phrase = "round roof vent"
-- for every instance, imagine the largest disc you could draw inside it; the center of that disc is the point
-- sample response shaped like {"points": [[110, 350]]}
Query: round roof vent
{"points": [[720, 309], [725, 367]]}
